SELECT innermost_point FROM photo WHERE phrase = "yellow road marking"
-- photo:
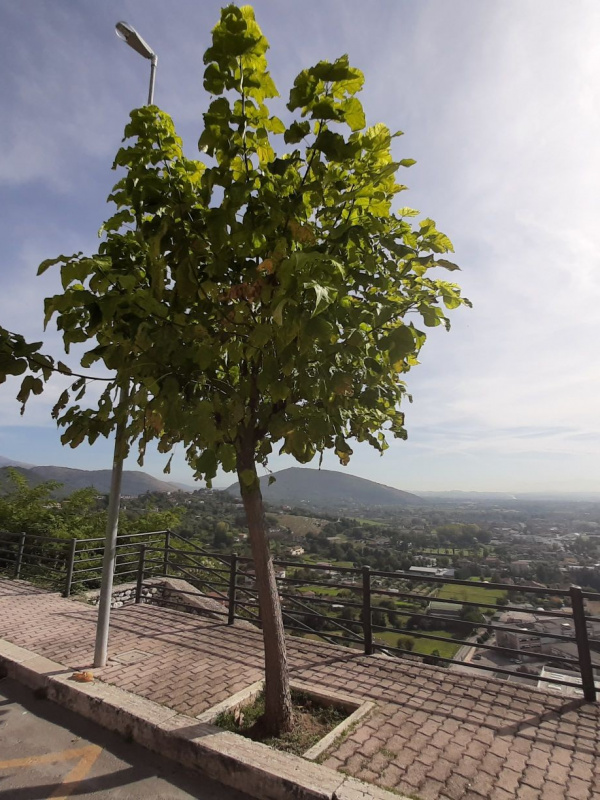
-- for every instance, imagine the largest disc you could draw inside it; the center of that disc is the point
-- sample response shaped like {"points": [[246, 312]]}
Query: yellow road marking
{"points": [[86, 755], [77, 774]]}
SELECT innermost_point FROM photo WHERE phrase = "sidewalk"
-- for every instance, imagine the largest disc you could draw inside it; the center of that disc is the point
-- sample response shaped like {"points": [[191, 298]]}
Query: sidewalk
{"points": [[434, 735]]}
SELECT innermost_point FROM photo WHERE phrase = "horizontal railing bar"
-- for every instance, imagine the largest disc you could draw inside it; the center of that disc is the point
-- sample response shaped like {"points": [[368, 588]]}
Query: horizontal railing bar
{"points": [[199, 565], [160, 601], [505, 587], [120, 564], [466, 643], [31, 568], [489, 625], [428, 599], [128, 572], [304, 609], [43, 558], [307, 565], [591, 595], [197, 579], [196, 593], [187, 568], [304, 582], [88, 569], [326, 601], [41, 536], [326, 636], [499, 670], [119, 538], [216, 556]]}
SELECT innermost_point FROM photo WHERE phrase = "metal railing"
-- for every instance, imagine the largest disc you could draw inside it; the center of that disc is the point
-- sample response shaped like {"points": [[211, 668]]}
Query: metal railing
{"points": [[72, 565], [75, 564], [229, 580]]}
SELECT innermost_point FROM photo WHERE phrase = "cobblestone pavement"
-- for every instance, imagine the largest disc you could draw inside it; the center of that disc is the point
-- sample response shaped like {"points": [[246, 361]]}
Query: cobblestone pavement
{"points": [[434, 735]]}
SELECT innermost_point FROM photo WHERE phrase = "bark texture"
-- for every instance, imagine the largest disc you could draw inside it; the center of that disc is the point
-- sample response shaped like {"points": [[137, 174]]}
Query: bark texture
{"points": [[278, 703]]}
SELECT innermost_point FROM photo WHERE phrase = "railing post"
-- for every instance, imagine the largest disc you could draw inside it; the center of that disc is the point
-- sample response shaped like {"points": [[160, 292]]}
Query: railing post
{"points": [[232, 588], [70, 568], [140, 575], [366, 610], [20, 550], [583, 645], [167, 546]]}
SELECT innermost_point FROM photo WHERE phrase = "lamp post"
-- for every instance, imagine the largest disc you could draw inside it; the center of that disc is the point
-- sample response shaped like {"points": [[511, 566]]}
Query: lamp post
{"points": [[134, 40]]}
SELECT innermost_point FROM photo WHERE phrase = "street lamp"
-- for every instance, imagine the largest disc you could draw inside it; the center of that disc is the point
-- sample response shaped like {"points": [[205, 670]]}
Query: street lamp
{"points": [[129, 35], [134, 40]]}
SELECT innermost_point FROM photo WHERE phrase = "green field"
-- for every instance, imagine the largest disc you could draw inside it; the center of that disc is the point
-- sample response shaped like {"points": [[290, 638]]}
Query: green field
{"points": [[470, 594], [422, 646]]}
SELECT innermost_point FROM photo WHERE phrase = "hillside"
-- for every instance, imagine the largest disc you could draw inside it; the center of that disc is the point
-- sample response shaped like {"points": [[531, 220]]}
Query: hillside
{"points": [[134, 482], [329, 489], [9, 462]]}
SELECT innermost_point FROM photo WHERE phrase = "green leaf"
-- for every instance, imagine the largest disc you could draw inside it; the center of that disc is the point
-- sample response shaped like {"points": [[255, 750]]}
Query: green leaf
{"points": [[449, 265], [296, 132], [354, 114]]}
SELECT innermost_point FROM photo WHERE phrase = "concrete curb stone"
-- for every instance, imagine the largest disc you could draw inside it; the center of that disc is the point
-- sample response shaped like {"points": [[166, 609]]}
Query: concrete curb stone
{"points": [[230, 759]]}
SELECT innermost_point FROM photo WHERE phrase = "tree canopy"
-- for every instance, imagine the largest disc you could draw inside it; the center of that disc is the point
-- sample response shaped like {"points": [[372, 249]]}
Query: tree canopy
{"points": [[276, 292]]}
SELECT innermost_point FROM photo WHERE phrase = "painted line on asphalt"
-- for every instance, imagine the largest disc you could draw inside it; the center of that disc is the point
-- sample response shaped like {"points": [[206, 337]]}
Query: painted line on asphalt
{"points": [[87, 758]]}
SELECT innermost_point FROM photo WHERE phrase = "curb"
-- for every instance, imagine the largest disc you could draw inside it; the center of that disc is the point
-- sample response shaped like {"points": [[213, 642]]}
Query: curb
{"points": [[232, 760]]}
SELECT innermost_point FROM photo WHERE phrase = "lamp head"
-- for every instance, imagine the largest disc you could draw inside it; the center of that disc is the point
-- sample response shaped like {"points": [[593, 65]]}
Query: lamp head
{"points": [[129, 34]]}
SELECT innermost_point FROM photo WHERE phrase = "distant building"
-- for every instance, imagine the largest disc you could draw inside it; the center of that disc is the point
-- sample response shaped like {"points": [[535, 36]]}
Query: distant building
{"points": [[441, 609], [432, 572]]}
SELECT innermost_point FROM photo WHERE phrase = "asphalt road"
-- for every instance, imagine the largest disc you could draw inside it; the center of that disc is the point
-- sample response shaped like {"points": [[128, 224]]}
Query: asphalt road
{"points": [[48, 753]]}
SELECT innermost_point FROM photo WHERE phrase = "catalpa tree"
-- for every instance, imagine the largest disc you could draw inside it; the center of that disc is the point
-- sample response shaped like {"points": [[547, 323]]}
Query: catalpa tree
{"points": [[255, 300]]}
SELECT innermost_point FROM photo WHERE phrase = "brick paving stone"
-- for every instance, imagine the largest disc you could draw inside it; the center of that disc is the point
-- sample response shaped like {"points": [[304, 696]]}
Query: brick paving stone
{"points": [[578, 789], [442, 770], [483, 783], [501, 794], [552, 791], [562, 756], [491, 764], [579, 769], [391, 775], [467, 767], [508, 779], [533, 776], [415, 775], [557, 773], [431, 789], [456, 786], [432, 734], [429, 756], [528, 793]]}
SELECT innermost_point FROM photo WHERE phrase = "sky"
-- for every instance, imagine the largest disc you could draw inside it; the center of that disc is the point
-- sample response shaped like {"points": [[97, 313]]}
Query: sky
{"points": [[499, 102]]}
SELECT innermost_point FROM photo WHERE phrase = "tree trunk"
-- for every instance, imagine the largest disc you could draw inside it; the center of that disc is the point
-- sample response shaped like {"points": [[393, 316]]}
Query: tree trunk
{"points": [[278, 703]]}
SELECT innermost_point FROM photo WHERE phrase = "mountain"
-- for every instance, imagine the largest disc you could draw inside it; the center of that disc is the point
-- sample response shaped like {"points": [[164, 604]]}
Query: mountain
{"points": [[9, 462], [328, 489], [134, 482]]}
